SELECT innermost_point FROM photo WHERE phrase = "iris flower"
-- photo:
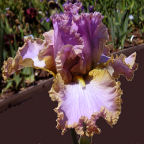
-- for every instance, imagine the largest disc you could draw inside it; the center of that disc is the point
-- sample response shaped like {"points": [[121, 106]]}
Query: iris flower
{"points": [[86, 84]]}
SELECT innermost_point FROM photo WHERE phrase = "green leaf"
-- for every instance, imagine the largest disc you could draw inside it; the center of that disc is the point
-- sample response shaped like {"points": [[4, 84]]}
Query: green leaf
{"points": [[61, 7]]}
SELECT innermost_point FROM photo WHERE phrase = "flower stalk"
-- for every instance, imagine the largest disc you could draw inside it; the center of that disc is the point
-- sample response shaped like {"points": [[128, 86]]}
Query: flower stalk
{"points": [[82, 139], [85, 140], [74, 136]]}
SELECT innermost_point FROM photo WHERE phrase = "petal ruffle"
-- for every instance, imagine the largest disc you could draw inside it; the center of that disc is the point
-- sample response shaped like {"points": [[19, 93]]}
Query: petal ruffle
{"points": [[123, 65], [94, 33], [68, 58], [47, 53], [72, 8], [36, 53], [79, 107], [68, 45], [65, 32], [73, 30]]}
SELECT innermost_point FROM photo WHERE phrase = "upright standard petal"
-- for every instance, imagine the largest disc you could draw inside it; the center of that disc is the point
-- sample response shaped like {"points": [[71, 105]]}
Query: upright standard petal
{"points": [[94, 33], [64, 32], [85, 31], [80, 106], [72, 8], [68, 46], [31, 55]]}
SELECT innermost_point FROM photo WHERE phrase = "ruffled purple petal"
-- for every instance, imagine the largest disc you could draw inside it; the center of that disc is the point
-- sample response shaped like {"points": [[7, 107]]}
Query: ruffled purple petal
{"points": [[94, 33], [65, 31], [36, 53], [31, 50], [72, 8], [73, 30], [67, 59], [68, 44], [80, 106], [123, 65]]}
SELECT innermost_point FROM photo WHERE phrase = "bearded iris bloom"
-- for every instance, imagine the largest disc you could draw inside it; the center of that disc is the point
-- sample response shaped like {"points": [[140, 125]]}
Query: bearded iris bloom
{"points": [[86, 84]]}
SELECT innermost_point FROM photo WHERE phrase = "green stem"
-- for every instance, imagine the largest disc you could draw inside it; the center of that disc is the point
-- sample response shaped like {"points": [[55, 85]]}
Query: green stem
{"points": [[74, 136], [85, 140]]}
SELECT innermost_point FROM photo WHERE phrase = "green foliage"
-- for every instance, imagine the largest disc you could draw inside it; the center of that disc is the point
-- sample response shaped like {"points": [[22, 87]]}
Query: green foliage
{"points": [[119, 27]]}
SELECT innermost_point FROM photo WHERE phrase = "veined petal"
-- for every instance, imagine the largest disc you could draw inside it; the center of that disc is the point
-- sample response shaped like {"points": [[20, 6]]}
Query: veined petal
{"points": [[65, 32], [35, 53], [67, 59], [47, 53], [49, 37], [130, 60], [31, 50], [86, 31], [79, 107], [68, 45], [123, 65], [11, 66], [72, 8], [94, 33]]}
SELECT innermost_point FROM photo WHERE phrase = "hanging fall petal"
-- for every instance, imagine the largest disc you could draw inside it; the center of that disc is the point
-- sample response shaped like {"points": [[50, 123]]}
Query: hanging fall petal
{"points": [[30, 55], [123, 65], [80, 106]]}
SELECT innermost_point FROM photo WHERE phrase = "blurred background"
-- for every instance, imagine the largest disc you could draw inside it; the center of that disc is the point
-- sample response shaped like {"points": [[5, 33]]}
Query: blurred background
{"points": [[22, 18]]}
